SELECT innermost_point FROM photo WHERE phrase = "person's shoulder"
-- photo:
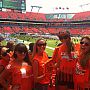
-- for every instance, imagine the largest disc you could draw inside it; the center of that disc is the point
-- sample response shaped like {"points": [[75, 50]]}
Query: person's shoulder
{"points": [[12, 62], [9, 66], [25, 64], [59, 44], [62, 47], [45, 53], [58, 47]]}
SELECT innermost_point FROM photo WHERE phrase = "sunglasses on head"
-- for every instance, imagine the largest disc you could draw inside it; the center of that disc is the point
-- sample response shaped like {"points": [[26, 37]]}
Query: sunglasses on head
{"points": [[4, 54], [63, 37], [39, 44], [85, 43]]}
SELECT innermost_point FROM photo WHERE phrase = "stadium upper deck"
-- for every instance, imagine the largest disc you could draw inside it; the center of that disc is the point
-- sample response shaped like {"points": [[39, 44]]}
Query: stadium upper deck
{"points": [[45, 17], [30, 22]]}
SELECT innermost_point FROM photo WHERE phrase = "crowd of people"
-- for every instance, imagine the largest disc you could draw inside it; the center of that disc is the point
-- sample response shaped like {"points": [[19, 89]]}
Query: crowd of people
{"points": [[67, 69]]}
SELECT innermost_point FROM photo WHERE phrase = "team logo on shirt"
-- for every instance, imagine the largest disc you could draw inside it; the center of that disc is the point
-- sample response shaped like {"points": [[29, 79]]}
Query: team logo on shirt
{"points": [[64, 55]]}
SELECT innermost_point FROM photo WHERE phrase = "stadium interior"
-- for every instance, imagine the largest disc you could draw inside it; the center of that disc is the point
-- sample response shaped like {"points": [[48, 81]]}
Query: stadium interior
{"points": [[20, 26], [31, 22]]}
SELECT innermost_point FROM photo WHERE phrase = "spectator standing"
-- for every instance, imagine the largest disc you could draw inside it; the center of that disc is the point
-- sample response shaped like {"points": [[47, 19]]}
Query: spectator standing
{"points": [[18, 73], [40, 58], [64, 60], [5, 58], [82, 69]]}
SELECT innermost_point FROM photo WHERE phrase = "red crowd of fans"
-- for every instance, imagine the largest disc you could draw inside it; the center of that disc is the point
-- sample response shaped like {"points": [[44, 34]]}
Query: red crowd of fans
{"points": [[67, 69]]}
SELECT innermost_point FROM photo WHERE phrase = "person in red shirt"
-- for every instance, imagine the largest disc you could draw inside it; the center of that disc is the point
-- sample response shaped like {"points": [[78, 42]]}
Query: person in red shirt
{"points": [[40, 58], [5, 58], [64, 60], [82, 68], [18, 73]]}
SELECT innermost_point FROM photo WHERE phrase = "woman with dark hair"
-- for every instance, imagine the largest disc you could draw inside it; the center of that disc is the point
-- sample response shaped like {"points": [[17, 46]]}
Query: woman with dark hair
{"points": [[18, 73], [82, 69], [21, 49]]}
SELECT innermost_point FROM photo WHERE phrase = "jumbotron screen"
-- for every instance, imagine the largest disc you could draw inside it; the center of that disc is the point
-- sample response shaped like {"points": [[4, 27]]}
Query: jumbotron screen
{"points": [[14, 4], [0, 3]]}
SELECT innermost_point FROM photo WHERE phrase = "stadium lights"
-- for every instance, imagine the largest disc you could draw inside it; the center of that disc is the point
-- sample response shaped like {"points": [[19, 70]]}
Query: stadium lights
{"points": [[39, 7], [84, 5]]}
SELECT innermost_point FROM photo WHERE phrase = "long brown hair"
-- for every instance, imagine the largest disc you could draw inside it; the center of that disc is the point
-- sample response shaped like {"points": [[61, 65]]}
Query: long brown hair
{"points": [[20, 47], [70, 47], [85, 57]]}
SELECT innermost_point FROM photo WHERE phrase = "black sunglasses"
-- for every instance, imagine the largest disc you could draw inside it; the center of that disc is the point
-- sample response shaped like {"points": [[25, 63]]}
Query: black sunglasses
{"points": [[85, 43], [44, 44]]}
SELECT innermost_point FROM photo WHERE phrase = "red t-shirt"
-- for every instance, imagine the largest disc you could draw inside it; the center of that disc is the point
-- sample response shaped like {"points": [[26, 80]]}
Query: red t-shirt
{"points": [[81, 75], [41, 67], [67, 61], [21, 75]]}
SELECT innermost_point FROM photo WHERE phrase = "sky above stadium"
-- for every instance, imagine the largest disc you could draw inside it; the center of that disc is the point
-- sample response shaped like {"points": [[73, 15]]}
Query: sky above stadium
{"points": [[58, 6]]}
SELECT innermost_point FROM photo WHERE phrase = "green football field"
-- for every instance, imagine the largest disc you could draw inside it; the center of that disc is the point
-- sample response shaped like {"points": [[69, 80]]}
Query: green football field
{"points": [[51, 43]]}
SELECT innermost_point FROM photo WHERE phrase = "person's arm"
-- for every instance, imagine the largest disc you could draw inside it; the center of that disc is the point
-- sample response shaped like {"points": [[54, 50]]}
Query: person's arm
{"points": [[35, 72], [55, 58]]}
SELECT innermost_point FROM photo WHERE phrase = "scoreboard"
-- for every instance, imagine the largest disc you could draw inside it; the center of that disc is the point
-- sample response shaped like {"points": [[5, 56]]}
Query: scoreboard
{"points": [[14, 4], [0, 4]]}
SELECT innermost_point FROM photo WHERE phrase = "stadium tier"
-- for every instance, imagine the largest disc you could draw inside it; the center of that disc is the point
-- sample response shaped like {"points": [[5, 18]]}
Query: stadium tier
{"points": [[31, 22], [82, 16]]}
